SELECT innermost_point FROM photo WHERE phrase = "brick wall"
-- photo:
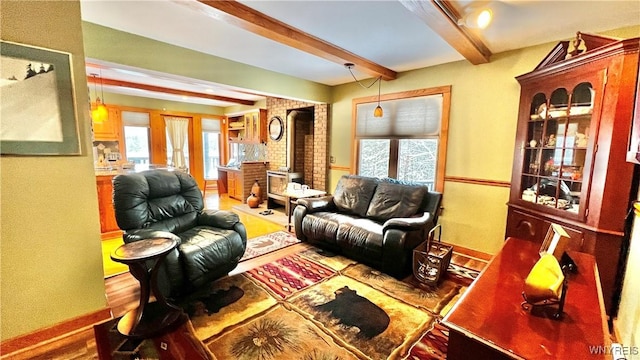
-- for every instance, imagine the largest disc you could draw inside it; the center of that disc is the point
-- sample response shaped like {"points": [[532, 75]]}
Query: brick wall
{"points": [[277, 150], [252, 171]]}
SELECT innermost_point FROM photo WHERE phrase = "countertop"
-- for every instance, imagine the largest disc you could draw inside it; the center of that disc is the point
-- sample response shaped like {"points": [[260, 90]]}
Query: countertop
{"points": [[238, 168], [117, 170]]}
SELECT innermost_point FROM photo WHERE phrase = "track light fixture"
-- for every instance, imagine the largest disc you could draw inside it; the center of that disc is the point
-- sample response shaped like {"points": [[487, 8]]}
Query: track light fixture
{"points": [[378, 111], [477, 18]]}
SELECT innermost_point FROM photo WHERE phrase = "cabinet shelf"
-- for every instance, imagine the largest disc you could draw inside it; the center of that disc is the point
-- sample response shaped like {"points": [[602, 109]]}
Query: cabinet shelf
{"points": [[567, 111]]}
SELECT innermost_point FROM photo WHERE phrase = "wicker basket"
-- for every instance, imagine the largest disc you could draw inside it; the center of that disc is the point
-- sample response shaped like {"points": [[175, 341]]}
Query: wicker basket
{"points": [[429, 265]]}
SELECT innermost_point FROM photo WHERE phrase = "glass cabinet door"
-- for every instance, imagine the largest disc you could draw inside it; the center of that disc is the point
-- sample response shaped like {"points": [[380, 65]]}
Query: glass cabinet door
{"points": [[555, 152]]}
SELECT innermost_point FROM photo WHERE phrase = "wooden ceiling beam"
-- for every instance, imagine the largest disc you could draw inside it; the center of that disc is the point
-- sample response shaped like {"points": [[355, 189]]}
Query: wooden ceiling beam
{"points": [[127, 84], [442, 18], [240, 15]]}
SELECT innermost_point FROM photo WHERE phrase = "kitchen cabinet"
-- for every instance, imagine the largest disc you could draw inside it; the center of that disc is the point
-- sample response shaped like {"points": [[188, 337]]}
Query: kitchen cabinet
{"points": [[237, 183], [256, 126], [250, 127], [569, 162], [108, 225], [234, 184], [108, 130]]}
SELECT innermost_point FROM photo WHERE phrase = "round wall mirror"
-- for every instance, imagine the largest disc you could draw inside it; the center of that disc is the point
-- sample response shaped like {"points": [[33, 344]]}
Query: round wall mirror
{"points": [[276, 128]]}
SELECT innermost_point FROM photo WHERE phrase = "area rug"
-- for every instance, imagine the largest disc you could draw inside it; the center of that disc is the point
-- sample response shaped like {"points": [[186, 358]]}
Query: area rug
{"points": [[317, 305], [268, 243]]}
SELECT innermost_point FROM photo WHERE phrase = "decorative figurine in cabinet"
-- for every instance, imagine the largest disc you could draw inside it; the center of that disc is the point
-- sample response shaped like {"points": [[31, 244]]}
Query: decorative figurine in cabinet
{"points": [[569, 161]]}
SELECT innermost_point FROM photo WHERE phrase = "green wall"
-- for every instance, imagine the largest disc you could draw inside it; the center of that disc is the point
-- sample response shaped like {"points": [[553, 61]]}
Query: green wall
{"points": [[482, 125], [51, 267], [148, 103], [51, 260], [482, 128], [124, 48]]}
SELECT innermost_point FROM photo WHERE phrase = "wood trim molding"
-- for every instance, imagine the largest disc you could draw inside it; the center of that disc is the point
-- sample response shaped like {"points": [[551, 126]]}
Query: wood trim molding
{"points": [[470, 252], [242, 16], [111, 234], [445, 91], [442, 18], [53, 332], [477, 181], [340, 168], [160, 89]]}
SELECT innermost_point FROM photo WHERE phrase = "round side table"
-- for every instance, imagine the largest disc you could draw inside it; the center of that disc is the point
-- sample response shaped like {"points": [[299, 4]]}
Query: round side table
{"points": [[149, 319]]}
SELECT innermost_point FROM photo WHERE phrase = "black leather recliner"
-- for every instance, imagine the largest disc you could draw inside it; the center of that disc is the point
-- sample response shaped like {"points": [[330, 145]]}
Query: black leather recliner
{"points": [[378, 222], [162, 203]]}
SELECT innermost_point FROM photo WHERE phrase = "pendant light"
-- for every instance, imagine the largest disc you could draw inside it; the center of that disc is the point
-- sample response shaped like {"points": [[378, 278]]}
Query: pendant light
{"points": [[99, 112], [378, 110]]}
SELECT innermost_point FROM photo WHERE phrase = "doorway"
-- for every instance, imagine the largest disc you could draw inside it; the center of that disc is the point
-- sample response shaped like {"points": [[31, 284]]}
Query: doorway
{"points": [[300, 149]]}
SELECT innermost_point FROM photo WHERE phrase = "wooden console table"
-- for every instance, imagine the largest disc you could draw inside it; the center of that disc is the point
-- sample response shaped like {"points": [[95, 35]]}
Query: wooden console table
{"points": [[489, 323]]}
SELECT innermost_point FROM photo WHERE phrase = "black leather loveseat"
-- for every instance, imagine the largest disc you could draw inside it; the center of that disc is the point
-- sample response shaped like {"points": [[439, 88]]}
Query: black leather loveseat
{"points": [[377, 222], [161, 203]]}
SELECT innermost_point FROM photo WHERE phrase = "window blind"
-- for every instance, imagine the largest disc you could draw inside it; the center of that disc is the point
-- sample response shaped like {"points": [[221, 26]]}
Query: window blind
{"points": [[211, 125], [132, 118], [418, 116]]}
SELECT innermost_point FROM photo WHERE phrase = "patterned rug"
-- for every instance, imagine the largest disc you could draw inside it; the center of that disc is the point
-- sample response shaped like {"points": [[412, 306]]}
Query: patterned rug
{"points": [[316, 305], [268, 243]]}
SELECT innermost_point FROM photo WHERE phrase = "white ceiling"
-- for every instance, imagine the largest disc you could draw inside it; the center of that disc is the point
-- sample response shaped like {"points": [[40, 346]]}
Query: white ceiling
{"points": [[384, 32]]}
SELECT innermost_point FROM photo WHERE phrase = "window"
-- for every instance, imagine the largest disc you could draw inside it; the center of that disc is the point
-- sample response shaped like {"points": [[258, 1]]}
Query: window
{"points": [[211, 147], [409, 141], [136, 137], [177, 133]]}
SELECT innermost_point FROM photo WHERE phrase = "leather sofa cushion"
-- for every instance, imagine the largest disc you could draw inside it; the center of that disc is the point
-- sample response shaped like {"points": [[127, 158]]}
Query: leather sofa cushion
{"points": [[353, 194], [204, 249], [322, 226], [395, 200], [361, 238]]}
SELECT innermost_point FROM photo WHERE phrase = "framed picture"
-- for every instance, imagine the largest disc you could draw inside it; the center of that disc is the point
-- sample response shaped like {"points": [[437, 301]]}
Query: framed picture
{"points": [[38, 109]]}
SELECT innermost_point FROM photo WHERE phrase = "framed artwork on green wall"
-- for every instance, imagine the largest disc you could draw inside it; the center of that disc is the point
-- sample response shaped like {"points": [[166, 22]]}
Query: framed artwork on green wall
{"points": [[38, 109]]}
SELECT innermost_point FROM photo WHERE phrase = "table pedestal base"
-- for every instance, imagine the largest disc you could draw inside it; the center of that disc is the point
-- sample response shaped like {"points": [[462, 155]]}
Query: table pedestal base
{"points": [[156, 319]]}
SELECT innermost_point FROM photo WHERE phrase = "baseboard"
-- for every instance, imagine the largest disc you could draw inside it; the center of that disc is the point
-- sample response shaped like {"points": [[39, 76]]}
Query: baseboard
{"points": [[470, 252], [49, 333], [111, 234], [615, 331]]}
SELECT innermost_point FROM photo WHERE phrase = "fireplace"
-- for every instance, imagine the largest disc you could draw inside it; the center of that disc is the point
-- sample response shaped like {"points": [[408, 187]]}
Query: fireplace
{"points": [[276, 185]]}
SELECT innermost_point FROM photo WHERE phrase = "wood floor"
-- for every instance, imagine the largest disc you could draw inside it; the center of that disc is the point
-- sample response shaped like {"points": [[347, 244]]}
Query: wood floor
{"points": [[122, 292]]}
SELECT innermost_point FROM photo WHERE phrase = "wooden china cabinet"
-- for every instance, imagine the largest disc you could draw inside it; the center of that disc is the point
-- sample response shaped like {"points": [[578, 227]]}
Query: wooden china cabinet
{"points": [[576, 110]]}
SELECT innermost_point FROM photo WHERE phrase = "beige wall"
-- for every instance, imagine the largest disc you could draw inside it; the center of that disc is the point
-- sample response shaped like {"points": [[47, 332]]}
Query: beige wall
{"points": [[51, 261], [628, 319]]}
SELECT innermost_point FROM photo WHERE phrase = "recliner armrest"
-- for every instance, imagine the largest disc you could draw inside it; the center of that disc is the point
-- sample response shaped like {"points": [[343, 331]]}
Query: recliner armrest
{"points": [[141, 234], [222, 219], [324, 203], [412, 223]]}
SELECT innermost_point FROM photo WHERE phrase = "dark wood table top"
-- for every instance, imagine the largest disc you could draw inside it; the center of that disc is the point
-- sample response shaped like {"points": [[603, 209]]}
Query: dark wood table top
{"points": [[143, 250], [490, 313]]}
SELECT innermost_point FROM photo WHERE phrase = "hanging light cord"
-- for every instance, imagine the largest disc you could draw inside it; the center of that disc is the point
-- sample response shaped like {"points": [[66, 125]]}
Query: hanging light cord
{"points": [[349, 66], [101, 88]]}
